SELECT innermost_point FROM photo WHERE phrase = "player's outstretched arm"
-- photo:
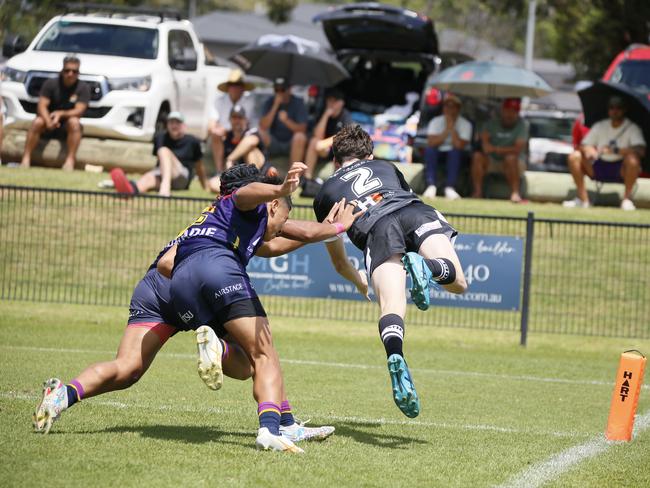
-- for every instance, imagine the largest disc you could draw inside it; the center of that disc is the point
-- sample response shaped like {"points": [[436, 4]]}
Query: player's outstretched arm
{"points": [[278, 246], [344, 267], [339, 220], [250, 196]]}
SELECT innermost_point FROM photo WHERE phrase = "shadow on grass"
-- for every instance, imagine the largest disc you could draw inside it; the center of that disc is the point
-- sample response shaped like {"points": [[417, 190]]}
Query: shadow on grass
{"points": [[351, 429], [183, 433]]}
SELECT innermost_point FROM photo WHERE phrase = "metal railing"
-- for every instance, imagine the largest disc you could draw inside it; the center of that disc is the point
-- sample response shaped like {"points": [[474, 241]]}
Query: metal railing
{"points": [[61, 246]]}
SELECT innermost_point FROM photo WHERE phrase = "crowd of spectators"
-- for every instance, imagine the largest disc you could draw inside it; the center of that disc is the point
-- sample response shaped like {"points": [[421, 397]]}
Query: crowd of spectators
{"points": [[611, 151]]}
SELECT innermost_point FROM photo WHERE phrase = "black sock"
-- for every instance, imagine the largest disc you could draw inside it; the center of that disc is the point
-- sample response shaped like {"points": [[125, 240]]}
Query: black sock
{"points": [[134, 186], [442, 269], [73, 395], [391, 331]]}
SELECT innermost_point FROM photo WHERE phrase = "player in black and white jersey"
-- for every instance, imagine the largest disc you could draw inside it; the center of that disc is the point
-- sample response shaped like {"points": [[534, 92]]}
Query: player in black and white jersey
{"points": [[398, 233]]}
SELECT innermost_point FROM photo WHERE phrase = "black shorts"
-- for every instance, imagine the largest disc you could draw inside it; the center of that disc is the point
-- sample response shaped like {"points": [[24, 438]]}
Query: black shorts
{"points": [[249, 307], [404, 231]]}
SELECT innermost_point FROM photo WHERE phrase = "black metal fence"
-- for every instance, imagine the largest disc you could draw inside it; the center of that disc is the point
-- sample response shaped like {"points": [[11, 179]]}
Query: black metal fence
{"points": [[61, 246]]}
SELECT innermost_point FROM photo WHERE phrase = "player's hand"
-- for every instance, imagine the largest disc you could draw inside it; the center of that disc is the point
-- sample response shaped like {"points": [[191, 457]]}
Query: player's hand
{"points": [[292, 180], [362, 285], [333, 212], [346, 214]]}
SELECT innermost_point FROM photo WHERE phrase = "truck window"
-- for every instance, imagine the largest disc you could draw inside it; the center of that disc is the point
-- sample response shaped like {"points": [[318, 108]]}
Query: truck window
{"points": [[181, 53], [105, 39]]}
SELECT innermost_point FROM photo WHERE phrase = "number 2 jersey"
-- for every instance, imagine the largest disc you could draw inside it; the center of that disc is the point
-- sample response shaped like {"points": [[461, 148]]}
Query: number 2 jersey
{"points": [[377, 186]]}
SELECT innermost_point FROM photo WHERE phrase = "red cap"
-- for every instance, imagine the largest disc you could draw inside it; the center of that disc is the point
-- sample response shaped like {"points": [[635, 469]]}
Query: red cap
{"points": [[513, 103]]}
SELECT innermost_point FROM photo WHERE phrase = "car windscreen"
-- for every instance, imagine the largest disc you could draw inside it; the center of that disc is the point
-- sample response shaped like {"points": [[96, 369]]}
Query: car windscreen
{"points": [[634, 73], [550, 128], [106, 39]]}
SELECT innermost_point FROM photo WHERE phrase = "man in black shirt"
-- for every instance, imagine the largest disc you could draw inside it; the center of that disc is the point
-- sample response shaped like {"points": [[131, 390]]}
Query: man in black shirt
{"points": [[179, 154], [398, 233], [62, 102]]}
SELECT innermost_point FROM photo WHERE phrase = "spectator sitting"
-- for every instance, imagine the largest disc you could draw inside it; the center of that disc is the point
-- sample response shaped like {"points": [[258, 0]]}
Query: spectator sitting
{"points": [[61, 103], [236, 91], [503, 142], [611, 151], [283, 126], [332, 120], [241, 145], [178, 154], [447, 138]]}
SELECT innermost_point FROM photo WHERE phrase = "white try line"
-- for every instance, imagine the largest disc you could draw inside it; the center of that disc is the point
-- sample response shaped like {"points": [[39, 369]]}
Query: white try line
{"points": [[557, 465], [33, 397], [306, 362]]}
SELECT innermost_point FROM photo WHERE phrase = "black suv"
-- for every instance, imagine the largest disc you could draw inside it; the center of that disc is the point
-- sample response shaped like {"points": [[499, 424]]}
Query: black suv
{"points": [[388, 51]]}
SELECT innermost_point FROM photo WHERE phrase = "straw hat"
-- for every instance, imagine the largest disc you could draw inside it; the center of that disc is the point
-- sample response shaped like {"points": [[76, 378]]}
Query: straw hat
{"points": [[236, 77]]}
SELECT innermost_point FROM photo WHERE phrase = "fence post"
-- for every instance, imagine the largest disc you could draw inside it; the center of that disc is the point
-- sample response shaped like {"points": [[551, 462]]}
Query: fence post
{"points": [[528, 262]]}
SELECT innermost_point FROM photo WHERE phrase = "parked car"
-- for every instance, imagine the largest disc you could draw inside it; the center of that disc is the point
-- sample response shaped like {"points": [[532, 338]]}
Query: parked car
{"points": [[549, 139], [140, 65], [631, 67]]}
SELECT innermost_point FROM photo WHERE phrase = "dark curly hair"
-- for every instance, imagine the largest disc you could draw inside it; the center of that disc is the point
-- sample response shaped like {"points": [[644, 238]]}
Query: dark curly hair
{"points": [[351, 142], [238, 176]]}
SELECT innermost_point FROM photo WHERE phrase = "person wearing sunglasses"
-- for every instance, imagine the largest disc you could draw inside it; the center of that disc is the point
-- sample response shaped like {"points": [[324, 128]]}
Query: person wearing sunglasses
{"points": [[61, 104]]}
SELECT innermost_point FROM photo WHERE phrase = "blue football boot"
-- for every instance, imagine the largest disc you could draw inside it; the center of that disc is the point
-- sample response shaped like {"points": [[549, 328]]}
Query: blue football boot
{"points": [[404, 394], [420, 278]]}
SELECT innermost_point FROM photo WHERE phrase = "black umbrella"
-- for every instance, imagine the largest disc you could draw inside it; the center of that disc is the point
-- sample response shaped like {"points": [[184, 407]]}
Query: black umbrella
{"points": [[637, 107], [297, 60]]}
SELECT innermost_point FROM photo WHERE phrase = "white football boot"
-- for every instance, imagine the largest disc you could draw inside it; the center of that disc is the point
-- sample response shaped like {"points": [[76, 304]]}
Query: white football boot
{"points": [[53, 402], [297, 432], [267, 441], [209, 350]]}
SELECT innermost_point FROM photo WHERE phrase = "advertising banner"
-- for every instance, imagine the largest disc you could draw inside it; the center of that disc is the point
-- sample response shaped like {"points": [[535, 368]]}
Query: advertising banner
{"points": [[492, 267]]}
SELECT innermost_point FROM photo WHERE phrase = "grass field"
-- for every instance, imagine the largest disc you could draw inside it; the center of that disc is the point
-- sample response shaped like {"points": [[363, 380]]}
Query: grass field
{"points": [[492, 413]]}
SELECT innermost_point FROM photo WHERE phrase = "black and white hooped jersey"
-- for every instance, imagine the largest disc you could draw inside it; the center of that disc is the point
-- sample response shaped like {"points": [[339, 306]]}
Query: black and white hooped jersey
{"points": [[375, 186]]}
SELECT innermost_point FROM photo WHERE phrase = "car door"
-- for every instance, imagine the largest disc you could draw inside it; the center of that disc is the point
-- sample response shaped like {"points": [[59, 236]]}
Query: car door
{"points": [[188, 80]]}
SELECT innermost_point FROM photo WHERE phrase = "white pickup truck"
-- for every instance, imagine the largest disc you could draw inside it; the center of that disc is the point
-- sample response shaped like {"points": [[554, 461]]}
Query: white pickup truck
{"points": [[139, 68]]}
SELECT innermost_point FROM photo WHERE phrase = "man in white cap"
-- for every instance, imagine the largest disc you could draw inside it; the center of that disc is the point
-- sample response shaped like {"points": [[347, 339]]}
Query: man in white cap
{"points": [[236, 91], [179, 155]]}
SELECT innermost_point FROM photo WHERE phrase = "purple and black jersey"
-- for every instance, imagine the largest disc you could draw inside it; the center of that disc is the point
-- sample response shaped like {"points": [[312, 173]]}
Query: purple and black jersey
{"points": [[377, 186], [224, 226]]}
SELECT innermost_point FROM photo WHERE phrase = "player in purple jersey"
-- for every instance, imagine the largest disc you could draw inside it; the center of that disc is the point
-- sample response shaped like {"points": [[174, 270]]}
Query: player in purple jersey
{"points": [[151, 322], [398, 232], [210, 284]]}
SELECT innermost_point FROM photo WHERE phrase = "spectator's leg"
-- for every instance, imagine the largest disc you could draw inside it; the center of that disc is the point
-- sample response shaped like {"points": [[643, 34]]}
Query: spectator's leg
{"points": [[256, 157], [214, 183], [148, 181], [630, 173], [33, 136], [245, 146], [169, 169], [311, 158], [73, 128], [217, 153], [478, 170], [454, 159], [298, 146], [511, 170], [576, 164], [431, 155]]}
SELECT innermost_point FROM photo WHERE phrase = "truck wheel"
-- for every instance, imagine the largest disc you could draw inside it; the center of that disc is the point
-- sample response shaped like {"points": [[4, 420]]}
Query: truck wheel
{"points": [[161, 120]]}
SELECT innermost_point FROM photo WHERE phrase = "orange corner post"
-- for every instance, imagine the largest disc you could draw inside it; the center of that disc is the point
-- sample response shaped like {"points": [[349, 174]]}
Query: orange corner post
{"points": [[625, 398]]}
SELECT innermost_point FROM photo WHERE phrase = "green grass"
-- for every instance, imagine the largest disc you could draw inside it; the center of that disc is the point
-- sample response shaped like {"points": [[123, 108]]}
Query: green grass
{"points": [[487, 415]]}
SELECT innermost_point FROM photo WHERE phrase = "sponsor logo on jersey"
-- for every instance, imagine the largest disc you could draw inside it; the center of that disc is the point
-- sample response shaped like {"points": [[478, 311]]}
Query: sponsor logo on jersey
{"points": [[228, 289], [187, 316], [429, 226]]}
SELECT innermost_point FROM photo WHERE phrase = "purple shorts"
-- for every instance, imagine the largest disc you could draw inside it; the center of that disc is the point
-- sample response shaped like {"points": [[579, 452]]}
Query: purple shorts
{"points": [[609, 172]]}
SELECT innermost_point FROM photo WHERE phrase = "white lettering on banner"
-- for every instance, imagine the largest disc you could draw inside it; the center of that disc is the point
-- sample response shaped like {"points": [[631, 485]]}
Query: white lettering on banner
{"points": [[424, 228], [279, 264], [228, 289], [467, 297], [499, 248], [478, 272]]}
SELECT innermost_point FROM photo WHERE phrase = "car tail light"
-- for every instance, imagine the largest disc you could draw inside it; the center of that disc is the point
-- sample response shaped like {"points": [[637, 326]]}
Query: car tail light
{"points": [[433, 96], [313, 91]]}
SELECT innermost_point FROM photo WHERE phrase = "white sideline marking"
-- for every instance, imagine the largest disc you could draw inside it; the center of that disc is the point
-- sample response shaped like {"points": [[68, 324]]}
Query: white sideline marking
{"points": [[558, 464], [350, 366], [13, 395]]}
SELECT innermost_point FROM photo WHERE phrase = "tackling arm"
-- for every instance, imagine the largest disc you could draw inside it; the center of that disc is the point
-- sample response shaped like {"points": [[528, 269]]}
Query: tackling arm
{"points": [[342, 265]]}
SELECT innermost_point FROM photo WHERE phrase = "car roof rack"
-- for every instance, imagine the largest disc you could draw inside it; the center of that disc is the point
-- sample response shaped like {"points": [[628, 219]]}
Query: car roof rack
{"points": [[85, 8]]}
